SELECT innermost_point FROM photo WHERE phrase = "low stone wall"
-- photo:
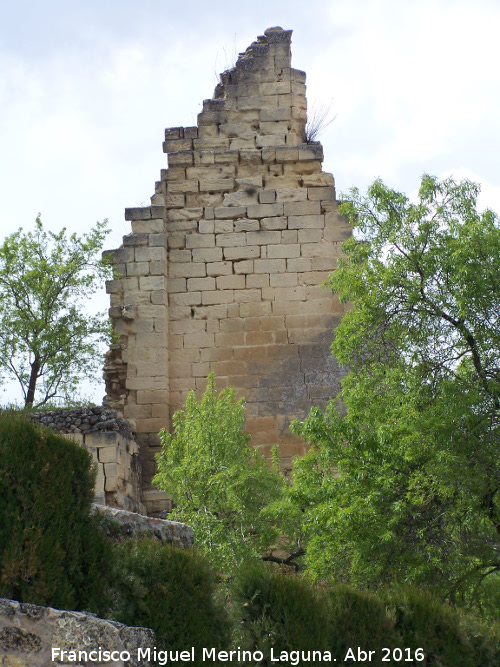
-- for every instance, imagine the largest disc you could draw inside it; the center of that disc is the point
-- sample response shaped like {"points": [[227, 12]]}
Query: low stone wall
{"points": [[29, 633], [83, 420], [131, 524], [110, 441]]}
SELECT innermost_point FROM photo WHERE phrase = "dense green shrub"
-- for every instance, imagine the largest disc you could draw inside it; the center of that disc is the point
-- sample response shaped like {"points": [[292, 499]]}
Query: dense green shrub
{"points": [[285, 613], [447, 635], [278, 611], [51, 550], [172, 591], [358, 618]]}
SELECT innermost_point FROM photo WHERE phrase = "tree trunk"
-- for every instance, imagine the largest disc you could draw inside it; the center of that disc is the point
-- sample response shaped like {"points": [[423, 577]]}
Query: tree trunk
{"points": [[30, 396]]}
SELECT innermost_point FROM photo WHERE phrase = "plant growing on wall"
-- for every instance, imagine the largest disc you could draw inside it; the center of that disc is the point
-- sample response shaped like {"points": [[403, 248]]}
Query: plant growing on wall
{"points": [[218, 482], [47, 342], [406, 485]]}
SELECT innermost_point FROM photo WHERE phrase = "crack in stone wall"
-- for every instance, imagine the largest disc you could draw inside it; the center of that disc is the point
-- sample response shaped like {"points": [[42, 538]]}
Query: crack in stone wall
{"points": [[223, 271]]}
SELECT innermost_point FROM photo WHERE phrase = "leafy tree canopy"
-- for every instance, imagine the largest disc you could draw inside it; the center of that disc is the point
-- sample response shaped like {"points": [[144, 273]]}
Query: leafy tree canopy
{"points": [[403, 482], [47, 342], [218, 482]]}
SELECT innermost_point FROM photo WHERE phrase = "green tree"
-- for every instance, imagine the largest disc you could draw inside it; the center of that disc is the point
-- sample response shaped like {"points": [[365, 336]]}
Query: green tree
{"points": [[218, 482], [47, 341], [403, 482]]}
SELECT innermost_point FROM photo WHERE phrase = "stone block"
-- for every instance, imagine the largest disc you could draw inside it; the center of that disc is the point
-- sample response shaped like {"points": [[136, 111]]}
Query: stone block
{"points": [[291, 194], [247, 295], [230, 282], [194, 284], [230, 211], [219, 268], [223, 226], [299, 264], [206, 227], [218, 312], [323, 263], [263, 237], [289, 236], [270, 265], [108, 454], [188, 326], [321, 193], [267, 140], [185, 299], [294, 208], [270, 224], [207, 254], [218, 296], [152, 396], [255, 309], [267, 197], [230, 240], [143, 213], [337, 233], [182, 187], [147, 283], [199, 340], [246, 226], [310, 235], [147, 226], [283, 251], [322, 249], [254, 280], [244, 266], [200, 241], [217, 185], [284, 154], [177, 285], [312, 151], [251, 157], [179, 255], [306, 221], [187, 270], [179, 214], [241, 252], [291, 294], [275, 114], [318, 179], [135, 239], [149, 254]]}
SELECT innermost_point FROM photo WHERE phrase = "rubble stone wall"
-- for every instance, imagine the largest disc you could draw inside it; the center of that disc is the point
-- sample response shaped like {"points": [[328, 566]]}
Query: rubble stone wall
{"points": [[110, 441], [223, 272]]}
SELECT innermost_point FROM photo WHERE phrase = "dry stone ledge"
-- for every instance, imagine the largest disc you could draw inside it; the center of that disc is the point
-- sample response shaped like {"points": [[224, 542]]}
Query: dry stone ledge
{"points": [[28, 633], [135, 525], [83, 420]]}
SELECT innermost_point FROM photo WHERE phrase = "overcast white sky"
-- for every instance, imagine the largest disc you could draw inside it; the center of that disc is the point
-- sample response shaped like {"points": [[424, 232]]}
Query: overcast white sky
{"points": [[87, 89]]}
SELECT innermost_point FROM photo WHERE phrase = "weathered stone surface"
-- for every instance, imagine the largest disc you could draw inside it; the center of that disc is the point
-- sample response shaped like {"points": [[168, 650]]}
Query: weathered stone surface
{"points": [[30, 633], [252, 229], [109, 439], [133, 525]]}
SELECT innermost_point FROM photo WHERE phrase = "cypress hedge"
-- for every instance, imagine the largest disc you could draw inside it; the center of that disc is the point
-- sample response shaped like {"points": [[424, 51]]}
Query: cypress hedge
{"points": [[51, 549]]}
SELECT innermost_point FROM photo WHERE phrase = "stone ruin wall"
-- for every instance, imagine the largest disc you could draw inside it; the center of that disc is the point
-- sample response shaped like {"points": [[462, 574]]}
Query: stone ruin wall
{"points": [[223, 271], [114, 451]]}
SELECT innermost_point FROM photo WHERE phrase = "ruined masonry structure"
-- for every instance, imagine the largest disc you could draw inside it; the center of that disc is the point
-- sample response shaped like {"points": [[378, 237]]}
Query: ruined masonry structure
{"points": [[223, 271]]}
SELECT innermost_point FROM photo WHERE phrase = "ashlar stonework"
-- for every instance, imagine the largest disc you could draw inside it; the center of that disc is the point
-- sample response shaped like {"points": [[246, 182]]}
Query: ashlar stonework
{"points": [[223, 271]]}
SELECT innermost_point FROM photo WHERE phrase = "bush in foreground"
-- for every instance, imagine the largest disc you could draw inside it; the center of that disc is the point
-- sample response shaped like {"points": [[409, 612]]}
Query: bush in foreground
{"points": [[51, 549], [172, 591], [285, 613]]}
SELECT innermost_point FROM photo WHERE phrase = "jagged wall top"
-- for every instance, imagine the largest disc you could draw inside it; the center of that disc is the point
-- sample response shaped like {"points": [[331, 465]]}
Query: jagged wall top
{"points": [[259, 103], [251, 59]]}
